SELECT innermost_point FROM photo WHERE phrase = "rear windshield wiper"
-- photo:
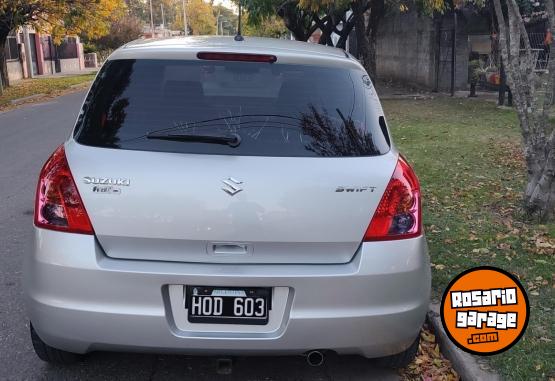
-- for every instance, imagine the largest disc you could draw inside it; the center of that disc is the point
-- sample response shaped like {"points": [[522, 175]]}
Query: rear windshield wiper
{"points": [[232, 140]]}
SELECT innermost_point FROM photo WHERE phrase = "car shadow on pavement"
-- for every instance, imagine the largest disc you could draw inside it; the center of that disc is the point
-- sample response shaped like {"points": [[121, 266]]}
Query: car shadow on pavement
{"points": [[137, 367]]}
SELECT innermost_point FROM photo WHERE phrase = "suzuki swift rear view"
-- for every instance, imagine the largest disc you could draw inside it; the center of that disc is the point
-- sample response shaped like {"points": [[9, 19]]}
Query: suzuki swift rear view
{"points": [[228, 198]]}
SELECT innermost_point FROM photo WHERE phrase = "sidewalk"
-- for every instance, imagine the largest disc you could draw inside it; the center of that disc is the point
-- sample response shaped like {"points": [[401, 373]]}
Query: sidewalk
{"points": [[85, 71]]}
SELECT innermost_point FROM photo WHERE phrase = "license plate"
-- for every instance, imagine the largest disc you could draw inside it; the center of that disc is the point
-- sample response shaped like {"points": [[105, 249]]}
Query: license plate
{"points": [[228, 305]]}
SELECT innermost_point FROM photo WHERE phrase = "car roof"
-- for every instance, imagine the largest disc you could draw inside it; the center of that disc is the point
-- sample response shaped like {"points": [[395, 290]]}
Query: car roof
{"points": [[286, 51]]}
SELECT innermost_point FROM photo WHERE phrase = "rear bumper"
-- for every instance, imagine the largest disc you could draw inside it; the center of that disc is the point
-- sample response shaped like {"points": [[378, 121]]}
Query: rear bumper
{"points": [[80, 300]]}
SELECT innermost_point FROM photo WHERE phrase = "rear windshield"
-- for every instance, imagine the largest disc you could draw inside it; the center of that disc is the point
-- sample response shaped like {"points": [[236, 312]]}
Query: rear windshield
{"points": [[272, 109]]}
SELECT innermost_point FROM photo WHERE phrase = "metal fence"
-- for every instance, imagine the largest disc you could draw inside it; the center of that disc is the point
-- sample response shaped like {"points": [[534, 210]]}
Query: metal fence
{"points": [[541, 47]]}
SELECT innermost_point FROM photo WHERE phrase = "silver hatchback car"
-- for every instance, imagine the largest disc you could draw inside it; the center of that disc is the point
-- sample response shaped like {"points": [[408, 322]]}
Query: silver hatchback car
{"points": [[228, 197]]}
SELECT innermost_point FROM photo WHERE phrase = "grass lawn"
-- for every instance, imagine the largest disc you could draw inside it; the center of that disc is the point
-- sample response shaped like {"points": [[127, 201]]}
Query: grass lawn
{"points": [[468, 157], [48, 86]]}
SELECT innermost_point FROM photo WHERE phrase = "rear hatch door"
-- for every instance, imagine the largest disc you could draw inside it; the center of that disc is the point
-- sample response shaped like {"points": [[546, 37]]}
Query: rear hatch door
{"points": [[179, 207]]}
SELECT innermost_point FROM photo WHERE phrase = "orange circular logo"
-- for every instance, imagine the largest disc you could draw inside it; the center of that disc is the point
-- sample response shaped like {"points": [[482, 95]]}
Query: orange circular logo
{"points": [[485, 310]]}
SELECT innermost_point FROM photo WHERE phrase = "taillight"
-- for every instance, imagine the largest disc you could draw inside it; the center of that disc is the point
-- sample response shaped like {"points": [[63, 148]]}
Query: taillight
{"points": [[398, 215], [58, 205]]}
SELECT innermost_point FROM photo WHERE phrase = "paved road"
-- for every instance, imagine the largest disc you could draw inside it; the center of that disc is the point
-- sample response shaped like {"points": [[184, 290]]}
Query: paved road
{"points": [[27, 136]]}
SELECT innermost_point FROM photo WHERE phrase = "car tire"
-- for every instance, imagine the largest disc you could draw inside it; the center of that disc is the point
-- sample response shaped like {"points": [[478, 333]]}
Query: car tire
{"points": [[403, 359], [50, 354]]}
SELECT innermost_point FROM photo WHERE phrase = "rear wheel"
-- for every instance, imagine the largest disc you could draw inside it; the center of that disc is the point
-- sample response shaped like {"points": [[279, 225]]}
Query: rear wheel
{"points": [[50, 354], [403, 359]]}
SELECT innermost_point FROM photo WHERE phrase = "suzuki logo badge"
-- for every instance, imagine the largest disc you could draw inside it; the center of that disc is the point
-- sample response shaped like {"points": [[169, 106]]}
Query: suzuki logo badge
{"points": [[232, 186]]}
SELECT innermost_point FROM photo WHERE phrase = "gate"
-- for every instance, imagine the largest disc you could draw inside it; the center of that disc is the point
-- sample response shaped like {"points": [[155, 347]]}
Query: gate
{"points": [[445, 57], [50, 53]]}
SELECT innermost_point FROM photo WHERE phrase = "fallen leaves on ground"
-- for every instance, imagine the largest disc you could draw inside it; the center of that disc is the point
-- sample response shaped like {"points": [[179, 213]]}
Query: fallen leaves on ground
{"points": [[541, 243], [429, 364]]}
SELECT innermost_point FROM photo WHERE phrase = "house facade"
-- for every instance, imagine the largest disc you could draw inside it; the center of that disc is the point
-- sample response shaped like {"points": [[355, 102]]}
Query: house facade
{"points": [[30, 53]]}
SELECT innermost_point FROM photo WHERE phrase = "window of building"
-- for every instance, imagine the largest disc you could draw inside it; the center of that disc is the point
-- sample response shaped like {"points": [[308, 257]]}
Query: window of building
{"points": [[12, 49]]}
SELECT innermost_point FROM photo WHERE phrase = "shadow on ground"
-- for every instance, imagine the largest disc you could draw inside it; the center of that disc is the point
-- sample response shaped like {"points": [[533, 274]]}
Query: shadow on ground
{"points": [[112, 366]]}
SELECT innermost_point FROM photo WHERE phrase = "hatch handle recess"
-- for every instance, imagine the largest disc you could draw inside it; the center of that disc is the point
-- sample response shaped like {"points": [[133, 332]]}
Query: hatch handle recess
{"points": [[224, 248]]}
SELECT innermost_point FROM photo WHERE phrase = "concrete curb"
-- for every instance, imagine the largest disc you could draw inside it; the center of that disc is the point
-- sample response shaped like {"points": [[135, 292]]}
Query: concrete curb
{"points": [[24, 99], [468, 367]]}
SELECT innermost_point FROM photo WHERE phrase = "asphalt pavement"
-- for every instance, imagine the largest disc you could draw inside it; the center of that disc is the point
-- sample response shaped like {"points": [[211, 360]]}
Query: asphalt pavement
{"points": [[28, 135]]}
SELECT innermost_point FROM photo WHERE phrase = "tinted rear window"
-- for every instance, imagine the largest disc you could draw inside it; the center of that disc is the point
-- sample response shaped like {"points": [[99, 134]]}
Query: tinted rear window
{"points": [[275, 109]]}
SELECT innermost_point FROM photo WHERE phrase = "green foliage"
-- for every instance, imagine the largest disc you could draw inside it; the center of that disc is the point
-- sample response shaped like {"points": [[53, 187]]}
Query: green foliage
{"points": [[121, 32], [431, 6], [200, 17], [228, 19], [138, 9], [269, 27], [259, 10], [474, 70], [328, 13], [61, 17], [532, 10], [319, 6]]}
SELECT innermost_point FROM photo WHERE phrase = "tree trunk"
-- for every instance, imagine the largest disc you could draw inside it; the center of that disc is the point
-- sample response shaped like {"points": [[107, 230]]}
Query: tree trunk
{"points": [[363, 41], [3, 64], [294, 20], [297, 31], [532, 93], [540, 193], [373, 50], [326, 28], [366, 28], [324, 38], [502, 85]]}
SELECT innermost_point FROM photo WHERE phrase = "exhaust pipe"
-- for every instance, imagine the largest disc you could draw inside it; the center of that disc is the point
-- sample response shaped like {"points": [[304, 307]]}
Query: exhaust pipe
{"points": [[315, 358]]}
